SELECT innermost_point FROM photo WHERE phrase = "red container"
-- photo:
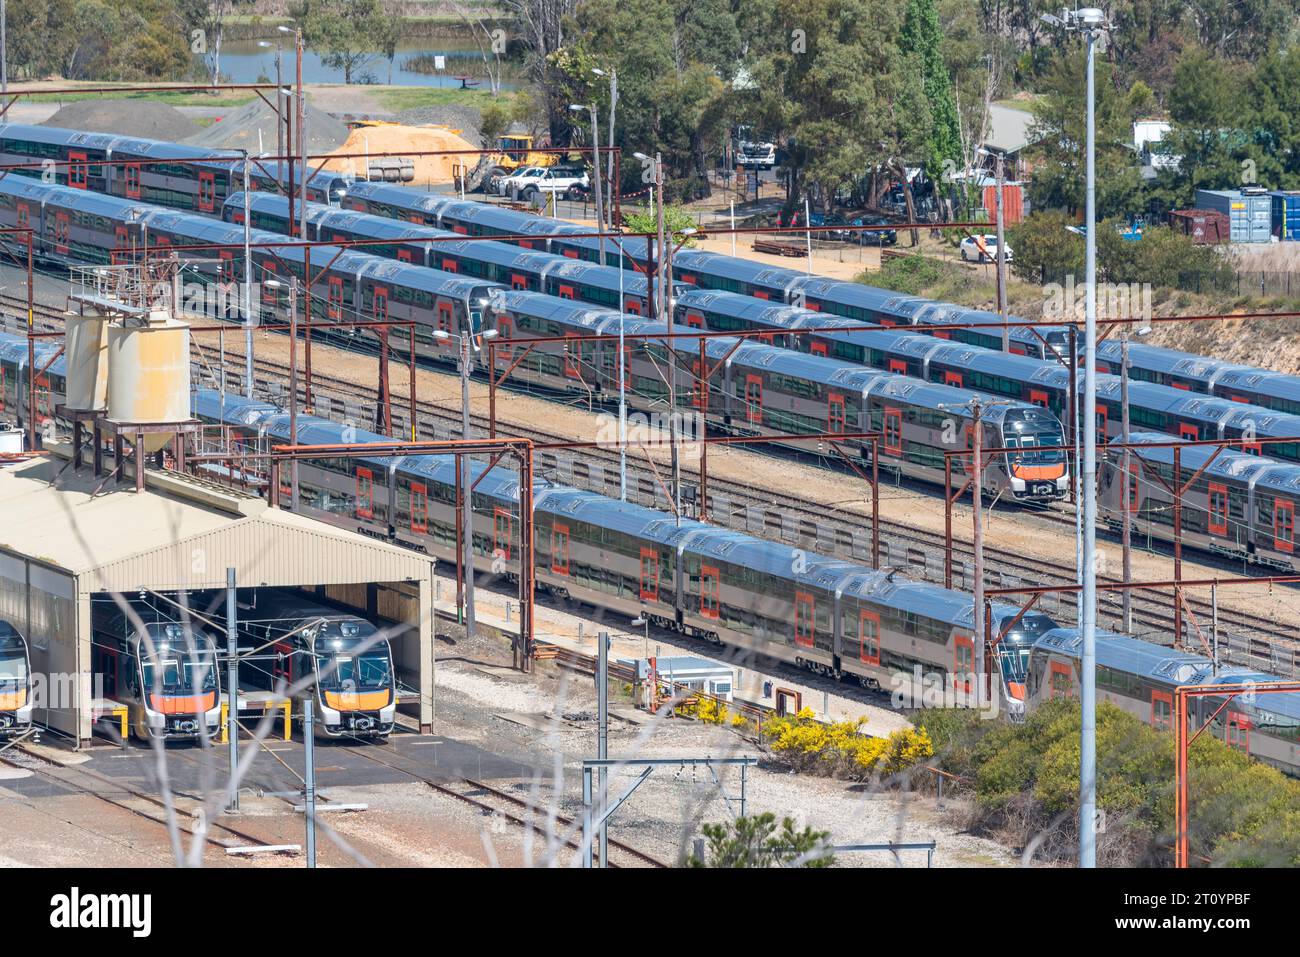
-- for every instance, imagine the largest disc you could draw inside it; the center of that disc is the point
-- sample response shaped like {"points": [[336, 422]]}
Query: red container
{"points": [[1206, 227], [1013, 203]]}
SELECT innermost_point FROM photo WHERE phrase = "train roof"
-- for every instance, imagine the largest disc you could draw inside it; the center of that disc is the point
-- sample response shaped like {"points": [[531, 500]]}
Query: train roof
{"points": [[229, 407], [769, 558], [597, 509], [1230, 464], [593, 274], [759, 311], [542, 306], [1168, 361], [1278, 385], [13, 349], [742, 270], [1127, 654], [401, 196]]}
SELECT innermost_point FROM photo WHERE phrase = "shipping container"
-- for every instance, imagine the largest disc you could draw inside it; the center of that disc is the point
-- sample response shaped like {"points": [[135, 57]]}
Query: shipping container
{"points": [[1206, 227], [1286, 214], [1013, 203], [1249, 212]]}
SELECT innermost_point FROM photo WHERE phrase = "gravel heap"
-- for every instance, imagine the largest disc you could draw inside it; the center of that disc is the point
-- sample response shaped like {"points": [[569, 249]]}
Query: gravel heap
{"points": [[238, 129], [463, 118], [137, 117]]}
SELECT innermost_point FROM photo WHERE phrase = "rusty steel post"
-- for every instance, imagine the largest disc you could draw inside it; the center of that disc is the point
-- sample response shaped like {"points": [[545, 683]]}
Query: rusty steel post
{"points": [[492, 389], [306, 342], [31, 353], [947, 522], [526, 561], [411, 357], [1180, 778]]}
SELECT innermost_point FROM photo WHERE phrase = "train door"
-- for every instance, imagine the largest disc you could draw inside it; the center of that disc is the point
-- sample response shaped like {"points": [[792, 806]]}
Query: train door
{"points": [[380, 308], [1162, 710], [120, 241], [505, 331], [268, 291], [24, 222], [952, 378], [1188, 432], [62, 231], [1218, 518], [710, 580], [1134, 497], [632, 307], [898, 365], [894, 431], [501, 537], [207, 191], [963, 661], [868, 637], [560, 549], [449, 264], [1059, 682], [1102, 423], [419, 508], [1039, 398], [77, 169], [365, 493], [444, 322], [694, 320], [760, 294], [334, 302], [131, 180], [518, 281], [754, 399], [572, 357], [1236, 731], [565, 292], [1284, 525], [649, 574], [835, 418], [699, 387], [804, 619], [405, 256]]}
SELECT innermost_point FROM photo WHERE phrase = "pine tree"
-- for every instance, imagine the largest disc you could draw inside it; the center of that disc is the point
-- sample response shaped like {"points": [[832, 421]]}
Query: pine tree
{"points": [[922, 38]]}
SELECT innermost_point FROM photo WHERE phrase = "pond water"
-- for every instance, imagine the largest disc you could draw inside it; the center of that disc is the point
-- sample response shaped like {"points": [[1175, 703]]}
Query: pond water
{"points": [[244, 61]]}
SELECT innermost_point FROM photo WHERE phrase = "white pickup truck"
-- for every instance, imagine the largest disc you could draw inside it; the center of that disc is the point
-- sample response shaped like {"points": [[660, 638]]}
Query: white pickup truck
{"points": [[568, 181]]}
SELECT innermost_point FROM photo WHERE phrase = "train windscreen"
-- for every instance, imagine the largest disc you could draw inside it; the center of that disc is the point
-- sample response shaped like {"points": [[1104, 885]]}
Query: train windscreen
{"points": [[1038, 433], [349, 657], [13, 663], [178, 668]]}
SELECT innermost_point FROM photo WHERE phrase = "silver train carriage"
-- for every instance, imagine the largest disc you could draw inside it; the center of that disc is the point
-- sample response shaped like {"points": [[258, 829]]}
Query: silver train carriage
{"points": [[51, 382], [146, 170], [164, 669], [829, 615], [535, 270], [1241, 506], [1140, 678], [16, 689], [286, 638], [765, 390]]}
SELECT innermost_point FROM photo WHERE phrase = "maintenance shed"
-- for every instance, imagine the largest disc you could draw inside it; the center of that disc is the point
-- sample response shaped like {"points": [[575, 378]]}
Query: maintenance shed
{"points": [[63, 539]]}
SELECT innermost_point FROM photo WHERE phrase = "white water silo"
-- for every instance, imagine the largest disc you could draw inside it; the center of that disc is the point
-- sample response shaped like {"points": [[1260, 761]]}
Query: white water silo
{"points": [[149, 374]]}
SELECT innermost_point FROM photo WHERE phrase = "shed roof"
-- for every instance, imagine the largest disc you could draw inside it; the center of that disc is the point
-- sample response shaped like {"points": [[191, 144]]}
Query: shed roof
{"points": [[167, 539]]}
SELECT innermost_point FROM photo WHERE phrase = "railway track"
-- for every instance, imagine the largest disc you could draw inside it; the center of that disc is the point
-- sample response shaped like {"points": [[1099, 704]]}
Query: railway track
{"points": [[493, 800], [1245, 638], [103, 788]]}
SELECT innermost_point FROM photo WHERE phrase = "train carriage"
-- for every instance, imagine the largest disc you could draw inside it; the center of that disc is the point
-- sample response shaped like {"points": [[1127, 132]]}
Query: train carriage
{"points": [[1140, 678], [163, 667], [51, 382], [16, 683], [287, 638]]}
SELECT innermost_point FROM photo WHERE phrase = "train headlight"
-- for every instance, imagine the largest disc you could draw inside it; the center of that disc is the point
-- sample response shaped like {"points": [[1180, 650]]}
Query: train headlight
{"points": [[1017, 484]]}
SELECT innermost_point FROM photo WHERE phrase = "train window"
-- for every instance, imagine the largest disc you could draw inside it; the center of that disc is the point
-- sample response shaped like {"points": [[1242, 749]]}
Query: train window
{"points": [[1284, 524], [710, 606], [1102, 423], [754, 398], [365, 504], [560, 549], [501, 539], [649, 574], [1218, 509], [1162, 710], [573, 357], [1059, 682], [869, 637], [803, 619], [1236, 733], [894, 431], [131, 175], [419, 508]]}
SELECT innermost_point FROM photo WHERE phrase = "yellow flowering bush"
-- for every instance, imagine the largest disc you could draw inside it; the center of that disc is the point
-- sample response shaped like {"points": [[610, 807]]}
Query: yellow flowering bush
{"points": [[841, 748]]}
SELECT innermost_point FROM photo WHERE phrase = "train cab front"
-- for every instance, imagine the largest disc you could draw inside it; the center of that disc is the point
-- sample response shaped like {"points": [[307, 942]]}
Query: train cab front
{"points": [[1012, 655], [180, 683], [15, 683], [356, 691], [1040, 472]]}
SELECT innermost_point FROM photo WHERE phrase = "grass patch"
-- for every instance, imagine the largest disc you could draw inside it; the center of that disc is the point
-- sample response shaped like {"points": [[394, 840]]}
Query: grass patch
{"points": [[222, 98], [398, 98]]}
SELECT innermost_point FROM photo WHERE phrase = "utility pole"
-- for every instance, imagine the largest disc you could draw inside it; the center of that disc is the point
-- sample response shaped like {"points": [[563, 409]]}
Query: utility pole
{"points": [[1002, 265], [4, 46], [1091, 22], [1125, 489], [302, 149], [602, 736], [468, 481], [232, 687], [293, 387], [309, 773], [977, 543], [248, 289], [595, 170]]}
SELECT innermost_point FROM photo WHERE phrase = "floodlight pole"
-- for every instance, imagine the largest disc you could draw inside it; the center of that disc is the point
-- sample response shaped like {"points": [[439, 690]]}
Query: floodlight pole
{"points": [[232, 688], [1002, 263], [248, 290]]}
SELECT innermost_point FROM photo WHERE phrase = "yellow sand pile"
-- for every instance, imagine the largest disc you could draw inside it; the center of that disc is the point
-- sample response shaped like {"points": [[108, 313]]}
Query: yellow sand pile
{"points": [[399, 140]]}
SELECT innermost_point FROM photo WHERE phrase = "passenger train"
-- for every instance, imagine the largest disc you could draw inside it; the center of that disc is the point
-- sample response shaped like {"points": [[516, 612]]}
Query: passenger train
{"points": [[286, 637], [16, 701], [1140, 678], [833, 616], [145, 170], [759, 389], [163, 668]]}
